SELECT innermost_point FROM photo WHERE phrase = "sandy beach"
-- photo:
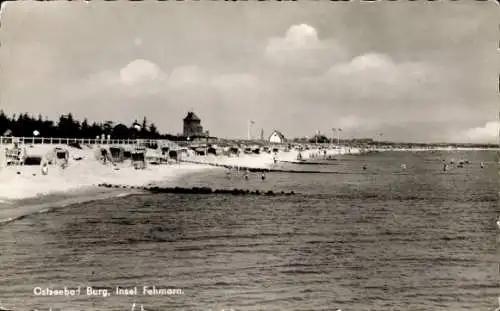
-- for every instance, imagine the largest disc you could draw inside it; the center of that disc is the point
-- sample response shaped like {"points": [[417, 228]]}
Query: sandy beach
{"points": [[24, 189], [21, 182]]}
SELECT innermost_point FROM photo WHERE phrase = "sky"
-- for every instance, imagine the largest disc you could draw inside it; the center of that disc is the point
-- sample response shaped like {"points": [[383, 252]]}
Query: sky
{"points": [[413, 71]]}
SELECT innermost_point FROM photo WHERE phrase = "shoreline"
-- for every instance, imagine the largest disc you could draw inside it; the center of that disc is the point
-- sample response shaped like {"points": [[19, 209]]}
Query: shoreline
{"points": [[24, 190], [24, 196], [21, 208]]}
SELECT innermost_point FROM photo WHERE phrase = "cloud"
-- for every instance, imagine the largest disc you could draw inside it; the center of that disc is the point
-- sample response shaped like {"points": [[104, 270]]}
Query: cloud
{"points": [[140, 71], [486, 134], [373, 85], [354, 122], [301, 47], [236, 81], [138, 42], [137, 78], [298, 37], [237, 93], [143, 78], [375, 73], [185, 76], [368, 93]]}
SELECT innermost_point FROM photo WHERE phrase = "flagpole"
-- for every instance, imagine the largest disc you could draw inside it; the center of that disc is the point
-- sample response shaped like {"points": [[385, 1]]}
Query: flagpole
{"points": [[248, 130]]}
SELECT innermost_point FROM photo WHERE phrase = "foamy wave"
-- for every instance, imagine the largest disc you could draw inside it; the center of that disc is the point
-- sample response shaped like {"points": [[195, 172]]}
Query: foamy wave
{"points": [[121, 195]]}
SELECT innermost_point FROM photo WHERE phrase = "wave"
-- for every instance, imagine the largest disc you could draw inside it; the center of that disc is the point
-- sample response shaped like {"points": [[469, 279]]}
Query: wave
{"points": [[24, 207], [484, 198]]}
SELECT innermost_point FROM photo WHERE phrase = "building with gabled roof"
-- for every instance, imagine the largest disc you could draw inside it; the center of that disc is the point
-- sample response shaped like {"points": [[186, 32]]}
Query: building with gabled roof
{"points": [[277, 137]]}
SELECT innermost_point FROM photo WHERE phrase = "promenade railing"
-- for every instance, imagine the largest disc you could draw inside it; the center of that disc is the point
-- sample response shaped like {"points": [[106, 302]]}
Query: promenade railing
{"points": [[7, 140]]}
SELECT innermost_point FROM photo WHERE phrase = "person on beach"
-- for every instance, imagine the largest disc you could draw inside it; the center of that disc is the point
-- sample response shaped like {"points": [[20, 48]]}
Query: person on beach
{"points": [[228, 174], [45, 169], [263, 176], [364, 167], [403, 166], [246, 175], [482, 164], [445, 167]]}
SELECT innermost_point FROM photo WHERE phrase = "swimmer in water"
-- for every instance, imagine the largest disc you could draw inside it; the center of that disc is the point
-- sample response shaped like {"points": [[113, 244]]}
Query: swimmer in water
{"points": [[445, 167], [364, 167], [403, 166], [482, 164]]}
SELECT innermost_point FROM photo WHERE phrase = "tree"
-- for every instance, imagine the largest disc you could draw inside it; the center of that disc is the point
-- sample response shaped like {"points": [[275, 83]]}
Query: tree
{"points": [[153, 131], [22, 124], [319, 138], [85, 129], [67, 127], [95, 130], [121, 131], [144, 128], [4, 122], [108, 127]]}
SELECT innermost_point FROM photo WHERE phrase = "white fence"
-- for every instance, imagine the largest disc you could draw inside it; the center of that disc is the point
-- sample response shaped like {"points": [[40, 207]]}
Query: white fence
{"points": [[83, 141]]}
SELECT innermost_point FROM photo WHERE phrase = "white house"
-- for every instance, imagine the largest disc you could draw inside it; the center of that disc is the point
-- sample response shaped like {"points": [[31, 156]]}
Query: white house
{"points": [[277, 137]]}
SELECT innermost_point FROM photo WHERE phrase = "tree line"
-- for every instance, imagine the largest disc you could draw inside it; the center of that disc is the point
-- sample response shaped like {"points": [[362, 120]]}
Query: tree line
{"points": [[24, 125]]}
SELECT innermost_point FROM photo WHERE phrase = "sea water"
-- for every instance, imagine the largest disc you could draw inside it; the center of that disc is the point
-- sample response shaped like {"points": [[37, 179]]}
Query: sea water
{"points": [[383, 238]]}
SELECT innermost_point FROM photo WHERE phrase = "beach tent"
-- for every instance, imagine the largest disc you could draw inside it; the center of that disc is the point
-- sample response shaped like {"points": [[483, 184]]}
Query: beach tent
{"points": [[104, 155], [165, 150], [117, 154], [61, 156], [212, 150], [200, 151], [234, 150], [138, 158], [32, 160], [152, 145], [173, 154]]}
